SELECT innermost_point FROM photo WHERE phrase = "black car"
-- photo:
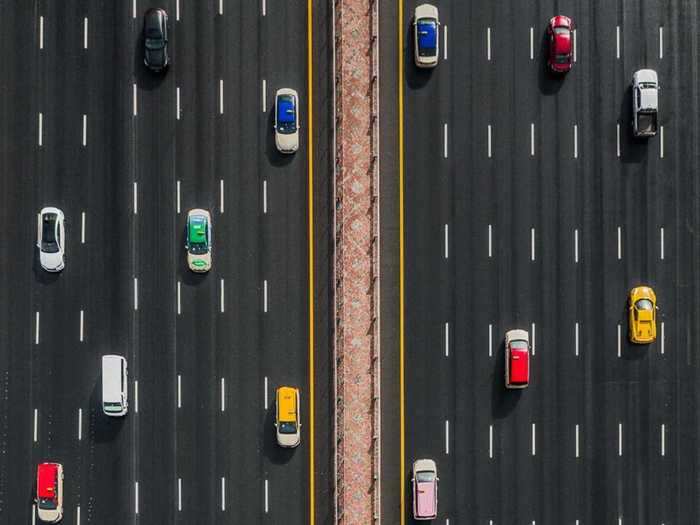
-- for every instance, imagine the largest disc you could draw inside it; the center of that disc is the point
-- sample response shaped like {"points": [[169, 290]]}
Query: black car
{"points": [[155, 37]]}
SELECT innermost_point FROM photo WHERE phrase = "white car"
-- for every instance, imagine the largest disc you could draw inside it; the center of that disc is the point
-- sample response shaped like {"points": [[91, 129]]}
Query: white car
{"points": [[645, 103], [286, 120], [426, 35], [51, 239]]}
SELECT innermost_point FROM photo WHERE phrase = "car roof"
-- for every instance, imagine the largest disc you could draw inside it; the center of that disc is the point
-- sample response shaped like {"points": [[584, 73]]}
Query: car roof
{"points": [[46, 482], [286, 403], [286, 108], [562, 43], [519, 365], [198, 228]]}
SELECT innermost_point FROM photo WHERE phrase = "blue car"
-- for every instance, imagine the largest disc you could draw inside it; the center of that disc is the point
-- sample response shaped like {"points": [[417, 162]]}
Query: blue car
{"points": [[426, 29]]}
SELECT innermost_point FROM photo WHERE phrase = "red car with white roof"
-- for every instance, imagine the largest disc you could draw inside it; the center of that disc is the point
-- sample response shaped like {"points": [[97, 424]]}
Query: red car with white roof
{"points": [[560, 31], [425, 489], [517, 359], [49, 492]]}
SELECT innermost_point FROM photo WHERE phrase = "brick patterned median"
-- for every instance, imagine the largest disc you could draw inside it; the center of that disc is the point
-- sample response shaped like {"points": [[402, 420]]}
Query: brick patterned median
{"points": [[355, 262]]}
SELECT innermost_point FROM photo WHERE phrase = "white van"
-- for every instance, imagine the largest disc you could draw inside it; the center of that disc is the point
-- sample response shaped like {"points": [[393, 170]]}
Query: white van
{"points": [[114, 385]]}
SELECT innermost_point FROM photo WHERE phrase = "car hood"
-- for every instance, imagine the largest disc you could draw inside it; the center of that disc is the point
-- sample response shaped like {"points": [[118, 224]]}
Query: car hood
{"points": [[51, 261]]}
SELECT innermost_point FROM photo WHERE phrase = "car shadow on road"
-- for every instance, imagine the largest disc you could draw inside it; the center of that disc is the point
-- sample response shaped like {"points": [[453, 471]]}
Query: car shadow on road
{"points": [[548, 82], [630, 351], [503, 400], [416, 77], [276, 454], [276, 158], [103, 427], [632, 150]]}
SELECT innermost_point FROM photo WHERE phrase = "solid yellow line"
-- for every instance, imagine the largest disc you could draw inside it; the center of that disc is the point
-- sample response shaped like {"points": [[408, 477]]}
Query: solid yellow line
{"points": [[310, 197], [402, 484]]}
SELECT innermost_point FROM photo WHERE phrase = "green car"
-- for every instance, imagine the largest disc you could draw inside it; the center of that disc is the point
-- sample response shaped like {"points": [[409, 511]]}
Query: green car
{"points": [[198, 240]]}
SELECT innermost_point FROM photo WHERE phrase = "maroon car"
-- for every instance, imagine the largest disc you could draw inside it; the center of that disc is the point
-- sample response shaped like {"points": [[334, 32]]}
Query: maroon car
{"points": [[561, 44]]}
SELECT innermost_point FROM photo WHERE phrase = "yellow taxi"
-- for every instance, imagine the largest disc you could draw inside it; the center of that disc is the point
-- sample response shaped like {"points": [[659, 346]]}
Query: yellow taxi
{"points": [[287, 421], [642, 315]]}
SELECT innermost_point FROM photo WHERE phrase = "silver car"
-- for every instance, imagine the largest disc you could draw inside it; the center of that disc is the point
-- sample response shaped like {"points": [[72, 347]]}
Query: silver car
{"points": [[51, 239]]}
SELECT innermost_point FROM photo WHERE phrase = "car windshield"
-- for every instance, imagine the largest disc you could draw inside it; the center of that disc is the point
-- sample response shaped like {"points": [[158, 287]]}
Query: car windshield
{"points": [[561, 59], [561, 30], [518, 345], [48, 503], [48, 234], [286, 114], [198, 230], [287, 427], [644, 304], [647, 85], [425, 476], [427, 37]]}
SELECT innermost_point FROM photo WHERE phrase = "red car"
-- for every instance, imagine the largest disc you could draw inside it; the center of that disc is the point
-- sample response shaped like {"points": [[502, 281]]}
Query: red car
{"points": [[517, 359], [561, 44]]}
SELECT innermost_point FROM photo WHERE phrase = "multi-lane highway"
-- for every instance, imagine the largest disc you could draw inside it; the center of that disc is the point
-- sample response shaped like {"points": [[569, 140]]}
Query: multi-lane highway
{"points": [[528, 205], [125, 153]]}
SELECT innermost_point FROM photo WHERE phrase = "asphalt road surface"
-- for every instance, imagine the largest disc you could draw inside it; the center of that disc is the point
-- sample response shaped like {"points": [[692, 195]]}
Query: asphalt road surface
{"points": [[525, 207], [125, 154]]}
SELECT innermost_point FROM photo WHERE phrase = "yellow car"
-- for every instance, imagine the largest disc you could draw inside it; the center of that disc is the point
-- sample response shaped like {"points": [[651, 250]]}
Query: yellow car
{"points": [[642, 314]]}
